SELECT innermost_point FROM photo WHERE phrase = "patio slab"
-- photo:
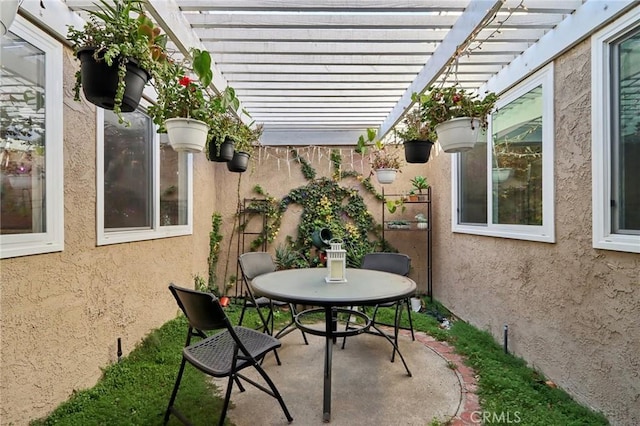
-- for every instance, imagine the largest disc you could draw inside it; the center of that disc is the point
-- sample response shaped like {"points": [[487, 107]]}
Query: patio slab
{"points": [[367, 388]]}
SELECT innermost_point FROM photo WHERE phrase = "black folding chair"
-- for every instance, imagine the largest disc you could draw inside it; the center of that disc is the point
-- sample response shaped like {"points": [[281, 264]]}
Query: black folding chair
{"points": [[253, 264], [223, 354], [395, 263]]}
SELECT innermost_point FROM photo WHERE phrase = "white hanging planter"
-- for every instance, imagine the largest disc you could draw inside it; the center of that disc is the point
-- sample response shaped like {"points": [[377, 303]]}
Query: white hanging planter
{"points": [[458, 134], [186, 134], [500, 175], [385, 176], [8, 12]]}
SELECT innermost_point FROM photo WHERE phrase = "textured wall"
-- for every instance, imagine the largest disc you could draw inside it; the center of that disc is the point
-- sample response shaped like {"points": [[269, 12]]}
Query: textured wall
{"points": [[572, 310], [277, 174], [61, 313]]}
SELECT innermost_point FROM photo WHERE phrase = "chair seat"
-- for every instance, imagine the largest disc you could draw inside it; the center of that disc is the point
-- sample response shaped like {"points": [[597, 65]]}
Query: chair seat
{"points": [[214, 355]]}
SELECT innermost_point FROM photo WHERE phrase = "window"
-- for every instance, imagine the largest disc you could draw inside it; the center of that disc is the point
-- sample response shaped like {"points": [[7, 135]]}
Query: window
{"points": [[144, 185], [514, 199], [31, 165], [616, 135]]}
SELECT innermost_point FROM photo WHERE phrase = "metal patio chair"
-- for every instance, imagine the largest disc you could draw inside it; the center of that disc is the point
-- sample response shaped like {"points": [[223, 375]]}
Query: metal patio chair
{"points": [[395, 263], [223, 354], [253, 264]]}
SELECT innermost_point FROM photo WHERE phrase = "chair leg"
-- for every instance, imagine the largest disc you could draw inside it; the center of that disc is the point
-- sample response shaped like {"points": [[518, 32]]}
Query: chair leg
{"points": [[227, 398], [408, 304], [244, 308], [275, 391], [167, 414]]}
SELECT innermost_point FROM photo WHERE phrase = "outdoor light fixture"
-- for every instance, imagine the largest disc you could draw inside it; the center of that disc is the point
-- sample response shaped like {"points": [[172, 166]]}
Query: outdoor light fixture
{"points": [[336, 262]]}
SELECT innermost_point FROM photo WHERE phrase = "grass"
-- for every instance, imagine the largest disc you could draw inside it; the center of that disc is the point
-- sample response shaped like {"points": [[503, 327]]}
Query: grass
{"points": [[136, 390]]}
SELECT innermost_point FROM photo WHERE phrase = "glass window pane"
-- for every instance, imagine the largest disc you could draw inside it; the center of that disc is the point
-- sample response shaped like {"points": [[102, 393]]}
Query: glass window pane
{"points": [[626, 140], [173, 185], [128, 170], [473, 185], [516, 160], [22, 137]]}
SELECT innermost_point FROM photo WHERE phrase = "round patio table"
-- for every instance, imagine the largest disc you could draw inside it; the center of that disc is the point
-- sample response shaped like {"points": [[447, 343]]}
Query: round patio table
{"points": [[309, 287]]}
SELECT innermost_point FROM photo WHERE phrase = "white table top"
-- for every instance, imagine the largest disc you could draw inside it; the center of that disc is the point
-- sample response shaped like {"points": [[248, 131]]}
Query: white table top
{"points": [[308, 286]]}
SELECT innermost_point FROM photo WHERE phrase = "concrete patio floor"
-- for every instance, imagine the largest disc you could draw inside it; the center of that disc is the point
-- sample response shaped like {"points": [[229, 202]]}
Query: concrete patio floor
{"points": [[367, 388]]}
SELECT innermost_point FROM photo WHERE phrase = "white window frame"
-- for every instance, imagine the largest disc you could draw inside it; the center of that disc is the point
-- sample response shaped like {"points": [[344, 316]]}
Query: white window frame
{"points": [[603, 237], [52, 240], [156, 231], [546, 231]]}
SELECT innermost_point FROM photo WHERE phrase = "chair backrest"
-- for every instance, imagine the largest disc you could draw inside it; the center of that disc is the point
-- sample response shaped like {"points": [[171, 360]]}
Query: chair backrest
{"points": [[256, 263], [396, 263], [203, 310]]}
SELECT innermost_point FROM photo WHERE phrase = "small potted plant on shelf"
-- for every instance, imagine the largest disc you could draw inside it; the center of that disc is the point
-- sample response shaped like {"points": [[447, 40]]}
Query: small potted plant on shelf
{"points": [[417, 137], [456, 114], [421, 221], [384, 161], [420, 184], [119, 49], [184, 106]]}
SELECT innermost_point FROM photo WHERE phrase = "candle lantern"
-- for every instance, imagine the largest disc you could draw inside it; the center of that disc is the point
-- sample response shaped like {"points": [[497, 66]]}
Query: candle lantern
{"points": [[336, 262]]}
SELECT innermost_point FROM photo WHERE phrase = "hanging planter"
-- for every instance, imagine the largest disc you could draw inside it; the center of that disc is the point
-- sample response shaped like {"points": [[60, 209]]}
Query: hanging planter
{"points": [[416, 151], [458, 134], [8, 12], [222, 153], [186, 134], [100, 81], [239, 162], [500, 175], [386, 176]]}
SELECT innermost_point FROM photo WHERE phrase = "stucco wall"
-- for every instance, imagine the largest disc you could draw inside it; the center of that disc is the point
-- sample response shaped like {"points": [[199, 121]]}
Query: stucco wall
{"points": [[572, 310], [278, 174], [62, 313]]}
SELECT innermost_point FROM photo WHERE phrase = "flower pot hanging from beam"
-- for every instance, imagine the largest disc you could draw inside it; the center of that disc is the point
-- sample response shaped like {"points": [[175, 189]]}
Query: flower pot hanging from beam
{"points": [[239, 162], [458, 134], [223, 152], [417, 151], [187, 134], [100, 81], [386, 176]]}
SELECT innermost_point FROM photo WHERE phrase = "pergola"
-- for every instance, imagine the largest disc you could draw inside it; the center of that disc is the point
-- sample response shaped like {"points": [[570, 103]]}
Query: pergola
{"points": [[323, 72]]}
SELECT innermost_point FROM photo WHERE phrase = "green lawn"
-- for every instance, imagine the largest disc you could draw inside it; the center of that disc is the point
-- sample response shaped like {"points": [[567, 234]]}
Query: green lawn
{"points": [[136, 390]]}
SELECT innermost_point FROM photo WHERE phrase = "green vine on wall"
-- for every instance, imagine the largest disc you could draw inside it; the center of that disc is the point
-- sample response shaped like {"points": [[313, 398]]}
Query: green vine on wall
{"points": [[326, 204], [215, 237]]}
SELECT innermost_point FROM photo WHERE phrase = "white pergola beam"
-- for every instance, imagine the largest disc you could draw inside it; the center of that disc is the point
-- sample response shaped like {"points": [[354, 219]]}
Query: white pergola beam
{"points": [[477, 13], [171, 19]]}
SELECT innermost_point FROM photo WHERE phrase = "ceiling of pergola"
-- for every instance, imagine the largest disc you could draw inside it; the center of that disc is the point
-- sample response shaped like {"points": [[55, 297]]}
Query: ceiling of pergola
{"points": [[323, 72]]}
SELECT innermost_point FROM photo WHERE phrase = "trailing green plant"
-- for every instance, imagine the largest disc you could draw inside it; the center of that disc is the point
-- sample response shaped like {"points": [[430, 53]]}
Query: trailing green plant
{"points": [[215, 238], [120, 32], [307, 171], [415, 128], [440, 104]]}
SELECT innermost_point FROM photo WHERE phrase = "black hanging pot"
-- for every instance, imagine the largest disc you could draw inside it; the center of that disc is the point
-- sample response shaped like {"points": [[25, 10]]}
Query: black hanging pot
{"points": [[222, 153], [417, 151], [100, 81], [239, 162]]}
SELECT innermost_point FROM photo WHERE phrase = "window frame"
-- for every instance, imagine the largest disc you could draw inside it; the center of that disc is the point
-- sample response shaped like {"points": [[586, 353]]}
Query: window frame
{"points": [[52, 240], [546, 231], [156, 230], [601, 143]]}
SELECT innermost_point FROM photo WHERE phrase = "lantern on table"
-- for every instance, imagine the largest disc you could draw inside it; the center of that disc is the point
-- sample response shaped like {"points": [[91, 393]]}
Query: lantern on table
{"points": [[336, 262]]}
